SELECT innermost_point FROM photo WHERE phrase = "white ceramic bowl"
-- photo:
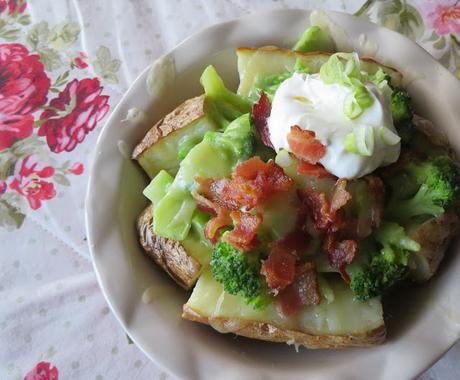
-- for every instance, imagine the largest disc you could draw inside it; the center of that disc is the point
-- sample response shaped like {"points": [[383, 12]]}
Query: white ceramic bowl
{"points": [[422, 323]]}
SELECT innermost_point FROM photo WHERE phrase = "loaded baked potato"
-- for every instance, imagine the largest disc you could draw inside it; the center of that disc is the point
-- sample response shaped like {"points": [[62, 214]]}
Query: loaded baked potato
{"points": [[293, 205]]}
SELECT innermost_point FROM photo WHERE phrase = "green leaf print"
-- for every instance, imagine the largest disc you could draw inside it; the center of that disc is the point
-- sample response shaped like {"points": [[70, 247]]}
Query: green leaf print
{"points": [[64, 34], [105, 66], [38, 36], [10, 216]]}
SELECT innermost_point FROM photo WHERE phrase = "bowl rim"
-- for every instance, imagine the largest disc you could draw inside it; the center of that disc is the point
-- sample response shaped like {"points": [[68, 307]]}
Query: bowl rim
{"points": [[195, 37]]}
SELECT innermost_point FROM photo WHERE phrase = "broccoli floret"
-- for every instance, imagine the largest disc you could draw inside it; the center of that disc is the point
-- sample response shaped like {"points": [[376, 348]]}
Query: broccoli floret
{"points": [[270, 83], [407, 132], [436, 183], [239, 273], [401, 107], [388, 266]]}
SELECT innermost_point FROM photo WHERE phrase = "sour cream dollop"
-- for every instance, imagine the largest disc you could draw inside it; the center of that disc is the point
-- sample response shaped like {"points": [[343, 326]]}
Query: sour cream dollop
{"points": [[305, 100]]}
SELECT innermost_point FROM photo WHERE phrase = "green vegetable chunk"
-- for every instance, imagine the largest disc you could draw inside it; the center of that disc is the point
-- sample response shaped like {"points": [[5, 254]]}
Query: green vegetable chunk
{"points": [[158, 187], [237, 140], [239, 274], [315, 39], [431, 187], [386, 267], [214, 157], [270, 83], [227, 105]]}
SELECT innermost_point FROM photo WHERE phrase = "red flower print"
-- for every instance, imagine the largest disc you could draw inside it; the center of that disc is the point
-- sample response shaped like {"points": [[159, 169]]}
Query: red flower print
{"points": [[77, 168], [23, 89], [13, 6], [73, 114], [2, 186], [444, 16], [28, 181], [79, 61], [43, 371]]}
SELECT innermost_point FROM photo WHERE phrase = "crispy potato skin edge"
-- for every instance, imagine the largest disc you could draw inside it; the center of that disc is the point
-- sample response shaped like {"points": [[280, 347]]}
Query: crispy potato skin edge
{"points": [[168, 254], [268, 332], [190, 110]]}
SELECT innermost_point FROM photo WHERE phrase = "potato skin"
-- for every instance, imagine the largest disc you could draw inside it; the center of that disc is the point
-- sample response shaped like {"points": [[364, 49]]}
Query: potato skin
{"points": [[268, 332], [184, 114], [168, 254], [434, 237]]}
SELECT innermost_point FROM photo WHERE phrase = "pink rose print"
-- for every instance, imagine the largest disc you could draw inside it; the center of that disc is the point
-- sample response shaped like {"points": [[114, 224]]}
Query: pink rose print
{"points": [[73, 114], [13, 6], [77, 168], [80, 61], [23, 89], [444, 16], [43, 371], [28, 181]]}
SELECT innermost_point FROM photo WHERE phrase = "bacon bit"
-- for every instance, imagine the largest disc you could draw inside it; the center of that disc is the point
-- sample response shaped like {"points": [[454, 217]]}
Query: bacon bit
{"points": [[254, 181], [341, 196], [213, 226], [279, 268], [268, 177], [318, 208], [303, 292], [243, 236], [304, 145], [317, 170], [203, 203], [260, 113], [377, 192], [340, 253]]}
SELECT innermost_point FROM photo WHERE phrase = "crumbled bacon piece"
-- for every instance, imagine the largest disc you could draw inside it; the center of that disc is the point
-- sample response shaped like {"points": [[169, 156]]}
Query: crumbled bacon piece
{"points": [[376, 190], [318, 208], [279, 269], [268, 177], [213, 226], [260, 114], [243, 235], [325, 214], [340, 253], [317, 170], [253, 182], [340, 196], [304, 291], [304, 145]]}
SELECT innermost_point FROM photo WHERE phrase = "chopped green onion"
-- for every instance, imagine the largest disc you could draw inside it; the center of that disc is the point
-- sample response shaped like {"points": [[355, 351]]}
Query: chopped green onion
{"points": [[350, 143], [283, 158], [388, 136], [364, 139], [357, 101]]}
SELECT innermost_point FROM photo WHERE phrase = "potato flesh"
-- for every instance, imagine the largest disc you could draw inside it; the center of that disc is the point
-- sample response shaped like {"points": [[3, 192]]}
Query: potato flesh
{"points": [[163, 154], [344, 315], [261, 62]]}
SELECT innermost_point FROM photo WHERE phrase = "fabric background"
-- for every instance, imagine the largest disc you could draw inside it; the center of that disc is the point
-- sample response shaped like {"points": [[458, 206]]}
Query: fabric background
{"points": [[51, 309]]}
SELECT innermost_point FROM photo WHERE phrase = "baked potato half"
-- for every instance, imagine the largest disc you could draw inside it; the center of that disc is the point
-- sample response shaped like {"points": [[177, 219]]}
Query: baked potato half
{"points": [[335, 323]]}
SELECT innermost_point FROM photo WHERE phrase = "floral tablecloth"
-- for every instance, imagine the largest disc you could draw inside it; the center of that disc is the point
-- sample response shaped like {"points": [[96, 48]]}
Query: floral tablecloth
{"points": [[64, 64]]}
